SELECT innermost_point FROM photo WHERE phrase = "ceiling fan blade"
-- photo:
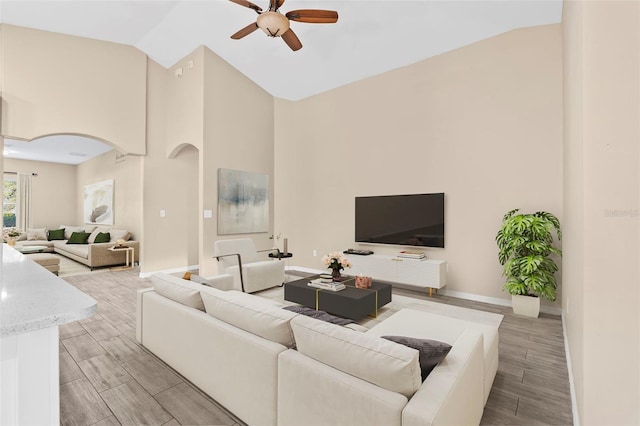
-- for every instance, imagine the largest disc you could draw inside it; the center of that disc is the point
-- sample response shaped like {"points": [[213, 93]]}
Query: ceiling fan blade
{"points": [[313, 16], [275, 4], [248, 4], [245, 31], [292, 40]]}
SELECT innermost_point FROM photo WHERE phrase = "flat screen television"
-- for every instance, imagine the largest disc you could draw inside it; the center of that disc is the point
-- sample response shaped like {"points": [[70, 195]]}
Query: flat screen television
{"points": [[408, 220]]}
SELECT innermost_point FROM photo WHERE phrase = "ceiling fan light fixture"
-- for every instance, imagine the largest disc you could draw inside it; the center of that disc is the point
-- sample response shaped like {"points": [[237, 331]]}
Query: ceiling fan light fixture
{"points": [[273, 24]]}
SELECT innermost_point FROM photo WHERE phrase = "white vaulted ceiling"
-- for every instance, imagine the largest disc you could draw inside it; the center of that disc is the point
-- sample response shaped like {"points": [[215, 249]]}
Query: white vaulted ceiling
{"points": [[370, 37], [65, 149]]}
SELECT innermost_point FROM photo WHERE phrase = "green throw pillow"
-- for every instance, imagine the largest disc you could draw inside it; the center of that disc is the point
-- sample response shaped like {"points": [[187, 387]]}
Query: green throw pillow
{"points": [[56, 234], [78, 238], [102, 237]]}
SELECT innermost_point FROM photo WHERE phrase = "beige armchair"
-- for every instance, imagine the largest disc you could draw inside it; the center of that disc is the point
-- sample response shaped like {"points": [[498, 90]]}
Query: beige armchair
{"points": [[240, 259]]}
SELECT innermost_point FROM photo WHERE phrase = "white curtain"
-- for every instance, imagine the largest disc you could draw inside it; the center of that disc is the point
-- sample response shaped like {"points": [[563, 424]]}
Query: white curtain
{"points": [[23, 201]]}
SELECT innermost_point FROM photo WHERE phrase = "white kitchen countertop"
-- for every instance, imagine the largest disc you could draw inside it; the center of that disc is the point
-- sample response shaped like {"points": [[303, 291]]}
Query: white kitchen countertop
{"points": [[32, 298]]}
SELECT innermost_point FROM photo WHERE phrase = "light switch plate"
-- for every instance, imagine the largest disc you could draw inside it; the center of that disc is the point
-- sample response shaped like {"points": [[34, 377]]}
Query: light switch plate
{"points": [[208, 214]]}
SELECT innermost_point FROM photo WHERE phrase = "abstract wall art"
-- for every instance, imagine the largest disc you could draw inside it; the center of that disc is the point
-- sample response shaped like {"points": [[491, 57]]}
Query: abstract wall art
{"points": [[98, 203], [243, 202]]}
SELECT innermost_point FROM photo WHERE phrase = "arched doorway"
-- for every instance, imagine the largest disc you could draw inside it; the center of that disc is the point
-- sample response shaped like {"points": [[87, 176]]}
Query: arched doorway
{"points": [[40, 179]]}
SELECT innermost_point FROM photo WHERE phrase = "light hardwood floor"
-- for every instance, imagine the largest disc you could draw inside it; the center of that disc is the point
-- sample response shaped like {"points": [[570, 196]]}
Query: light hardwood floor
{"points": [[106, 378]]}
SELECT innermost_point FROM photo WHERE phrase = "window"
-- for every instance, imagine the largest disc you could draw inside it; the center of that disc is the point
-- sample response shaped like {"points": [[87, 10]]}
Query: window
{"points": [[9, 195]]}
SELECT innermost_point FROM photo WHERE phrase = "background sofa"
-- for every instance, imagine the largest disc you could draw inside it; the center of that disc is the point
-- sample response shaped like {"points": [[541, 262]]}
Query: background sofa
{"points": [[270, 366], [91, 254]]}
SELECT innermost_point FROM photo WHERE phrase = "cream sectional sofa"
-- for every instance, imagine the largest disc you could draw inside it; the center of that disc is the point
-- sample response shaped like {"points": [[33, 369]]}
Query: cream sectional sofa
{"points": [[97, 254], [270, 366], [93, 255]]}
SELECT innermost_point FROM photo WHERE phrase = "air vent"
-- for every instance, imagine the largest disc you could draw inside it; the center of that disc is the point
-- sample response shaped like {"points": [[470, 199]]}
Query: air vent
{"points": [[77, 154]]}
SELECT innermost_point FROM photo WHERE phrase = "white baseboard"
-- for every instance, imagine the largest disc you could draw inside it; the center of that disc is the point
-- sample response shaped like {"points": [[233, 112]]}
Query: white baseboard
{"points": [[474, 297], [169, 271], [572, 386], [551, 310], [303, 269]]}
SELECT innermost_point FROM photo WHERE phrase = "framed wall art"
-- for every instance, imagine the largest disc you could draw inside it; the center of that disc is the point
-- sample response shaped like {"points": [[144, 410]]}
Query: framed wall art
{"points": [[243, 202], [98, 203]]}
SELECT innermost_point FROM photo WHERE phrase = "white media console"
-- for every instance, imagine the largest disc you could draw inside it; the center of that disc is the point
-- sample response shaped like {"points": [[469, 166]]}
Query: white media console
{"points": [[425, 273]]}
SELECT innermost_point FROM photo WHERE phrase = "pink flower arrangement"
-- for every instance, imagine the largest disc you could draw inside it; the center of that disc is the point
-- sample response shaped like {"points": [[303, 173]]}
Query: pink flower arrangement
{"points": [[335, 261]]}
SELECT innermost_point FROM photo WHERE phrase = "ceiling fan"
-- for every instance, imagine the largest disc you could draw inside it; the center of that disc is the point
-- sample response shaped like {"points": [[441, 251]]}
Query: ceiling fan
{"points": [[275, 24]]}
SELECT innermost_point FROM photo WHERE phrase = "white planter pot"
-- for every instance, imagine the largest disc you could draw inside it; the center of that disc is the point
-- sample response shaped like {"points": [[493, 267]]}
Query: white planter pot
{"points": [[526, 305]]}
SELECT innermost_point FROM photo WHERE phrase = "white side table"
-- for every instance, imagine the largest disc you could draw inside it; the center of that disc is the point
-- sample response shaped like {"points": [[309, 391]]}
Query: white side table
{"points": [[282, 256], [130, 257]]}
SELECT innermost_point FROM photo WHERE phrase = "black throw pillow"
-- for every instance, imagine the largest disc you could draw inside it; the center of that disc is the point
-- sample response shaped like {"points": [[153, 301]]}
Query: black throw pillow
{"points": [[431, 351]]}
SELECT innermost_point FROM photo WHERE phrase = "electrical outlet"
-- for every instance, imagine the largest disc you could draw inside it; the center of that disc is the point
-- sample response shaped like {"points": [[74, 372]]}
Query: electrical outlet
{"points": [[315, 253], [163, 213]]}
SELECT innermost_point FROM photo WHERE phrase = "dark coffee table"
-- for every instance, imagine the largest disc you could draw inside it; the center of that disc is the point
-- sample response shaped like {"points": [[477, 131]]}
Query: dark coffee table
{"points": [[353, 303]]}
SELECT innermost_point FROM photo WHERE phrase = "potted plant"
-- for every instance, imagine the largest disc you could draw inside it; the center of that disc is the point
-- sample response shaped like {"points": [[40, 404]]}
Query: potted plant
{"points": [[11, 236], [525, 242]]}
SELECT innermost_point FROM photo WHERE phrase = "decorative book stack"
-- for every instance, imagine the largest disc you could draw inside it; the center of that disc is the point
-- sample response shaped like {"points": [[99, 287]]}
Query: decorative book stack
{"points": [[321, 284], [412, 254]]}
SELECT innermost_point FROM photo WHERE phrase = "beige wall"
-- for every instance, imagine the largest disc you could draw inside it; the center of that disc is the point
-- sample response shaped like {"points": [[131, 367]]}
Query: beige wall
{"points": [[602, 185], [184, 109], [212, 117], [127, 187], [238, 134], [170, 185], [58, 84], [573, 200], [482, 124], [54, 192]]}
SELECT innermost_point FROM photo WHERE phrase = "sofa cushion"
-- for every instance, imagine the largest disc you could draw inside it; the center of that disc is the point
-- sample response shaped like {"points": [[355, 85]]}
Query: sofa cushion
{"points": [[27, 243], [80, 250], [56, 234], [78, 238], [95, 233], [68, 230], [119, 234], [431, 351], [36, 234], [221, 282], [427, 325], [381, 362], [102, 237], [178, 290], [254, 314]]}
